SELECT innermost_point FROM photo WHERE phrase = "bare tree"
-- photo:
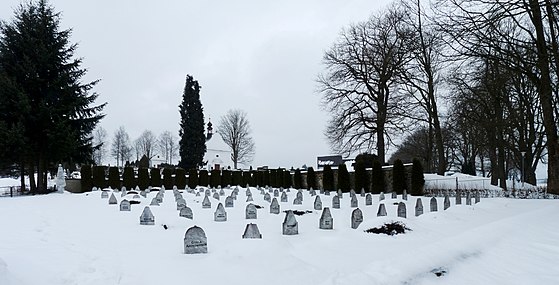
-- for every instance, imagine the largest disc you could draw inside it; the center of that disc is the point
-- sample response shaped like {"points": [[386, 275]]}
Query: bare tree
{"points": [[360, 88], [168, 146], [235, 130], [146, 144], [99, 145], [121, 149]]}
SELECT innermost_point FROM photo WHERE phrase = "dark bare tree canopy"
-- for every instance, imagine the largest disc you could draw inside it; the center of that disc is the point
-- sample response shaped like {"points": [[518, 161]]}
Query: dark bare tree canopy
{"points": [[234, 129]]}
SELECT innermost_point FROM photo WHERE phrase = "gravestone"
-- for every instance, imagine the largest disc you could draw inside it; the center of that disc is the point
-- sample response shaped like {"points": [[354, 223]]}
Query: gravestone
{"points": [[405, 195], [394, 195], [154, 202], [195, 241], [186, 212], [299, 196], [267, 197], [159, 198], [352, 192], [317, 203], [112, 200], [340, 194], [381, 196], [125, 205], [262, 192], [418, 207], [283, 197], [136, 196], [354, 203], [276, 193], [402, 210], [181, 203], [216, 196], [94, 189], [326, 192], [248, 192], [104, 194], [336, 202], [249, 199], [221, 192], [290, 225], [381, 210], [326, 221], [197, 194], [274, 207], [297, 201], [356, 218], [251, 231], [123, 192], [313, 193], [368, 199], [207, 192], [147, 217], [362, 192], [220, 215], [458, 197], [477, 197], [143, 193], [468, 198], [433, 204], [234, 195], [446, 201], [206, 204], [250, 212]]}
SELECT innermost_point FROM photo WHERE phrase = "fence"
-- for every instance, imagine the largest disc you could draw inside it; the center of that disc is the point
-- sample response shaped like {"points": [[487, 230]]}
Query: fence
{"points": [[11, 191]]}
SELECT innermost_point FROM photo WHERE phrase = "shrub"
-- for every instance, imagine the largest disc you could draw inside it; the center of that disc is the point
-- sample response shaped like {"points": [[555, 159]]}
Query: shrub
{"points": [[180, 178], [143, 178], [236, 177], [192, 178], [311, 178], [367, 159], [361, 177], [226, 178], [114, 177], [398, 177], [168, 178], [99, 180], [287, 179], [87, 178], [417, 178], [215, 178], [298, 179], [128, 180], [343, 178], [390, 229], [203, 178], [155, 177], [328, 178], [377, 178]]}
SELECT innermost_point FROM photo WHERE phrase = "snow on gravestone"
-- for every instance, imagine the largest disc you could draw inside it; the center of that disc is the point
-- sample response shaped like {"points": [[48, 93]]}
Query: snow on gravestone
{"points": [[283, 197], [354, 203], [229, 202], [112, 200], [290, 225], [433, 204], [195, 241], [220, 215], [104, 194], [147, 217], [458, 197], [60, 180], [251, 231], [394, 195], [317, 203], [418, 207], [446, 201], [250, 212], [356, 218], [326, 220], [381, 196], [186, 212], [206, 204], [468, 198], [336, 202], [381, 210], [368, 199], [274, 207], [125, 205], [402, 210], [94, 189], [267, 197]]}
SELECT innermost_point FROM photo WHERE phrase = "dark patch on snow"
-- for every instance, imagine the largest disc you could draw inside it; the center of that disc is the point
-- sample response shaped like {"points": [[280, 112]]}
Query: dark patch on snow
{"points": [[258, 207], [134, 202], [441, 271], [131, 192], [390, 229], [299, 213], [165, 226]]}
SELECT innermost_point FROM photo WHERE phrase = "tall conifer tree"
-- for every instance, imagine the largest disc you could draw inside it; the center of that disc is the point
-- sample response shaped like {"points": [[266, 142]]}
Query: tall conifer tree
{"points": [[192, 138]]}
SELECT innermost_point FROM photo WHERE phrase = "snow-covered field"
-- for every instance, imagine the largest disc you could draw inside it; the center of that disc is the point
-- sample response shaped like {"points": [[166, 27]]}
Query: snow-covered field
{"points": [[80, 239]]}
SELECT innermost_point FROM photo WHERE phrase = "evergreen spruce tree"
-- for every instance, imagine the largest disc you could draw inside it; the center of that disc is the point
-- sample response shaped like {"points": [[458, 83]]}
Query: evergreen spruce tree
{"points": [[215, 178], [298, 179], [192, 178], [203, 178], [114, 177], [417, 178], [46, 111], [398, 177], [226, 178], [168, 178], [192, 145], [143, 178], [237, 177], [328, 178], [155, 177], [180, 178], [287, 179], [343, 178], [361, 177], [87, 178], [377, 178], [99, 180], [273, 177], [128, 178], [265, 178], [311, 178]]}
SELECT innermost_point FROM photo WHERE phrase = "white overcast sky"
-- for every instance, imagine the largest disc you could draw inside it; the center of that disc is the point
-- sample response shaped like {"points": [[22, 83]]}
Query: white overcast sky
{"points": [[259, 56]]}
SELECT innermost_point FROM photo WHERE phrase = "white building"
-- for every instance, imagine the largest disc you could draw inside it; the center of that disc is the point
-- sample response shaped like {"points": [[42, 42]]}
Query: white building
{"points": [[218, 153]]}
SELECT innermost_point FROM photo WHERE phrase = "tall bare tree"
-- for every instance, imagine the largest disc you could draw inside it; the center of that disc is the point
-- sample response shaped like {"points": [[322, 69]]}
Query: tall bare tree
{"points": [[234, 129], [146, 145], [121, 149], [360, 87], [99, 145], [168, 146]]}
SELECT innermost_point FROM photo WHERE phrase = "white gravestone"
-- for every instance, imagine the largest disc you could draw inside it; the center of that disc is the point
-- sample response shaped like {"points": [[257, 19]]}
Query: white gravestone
{"points": [[326, 221], [317, 203], [125, 205], [251, 231], [402, 210], [418, 207], [356, 218], [147, 217], [112, 200], [186, 212], [229, 202], [381, 210], [290, 225], [195, 241], [220, 215], [206, 204], [250, 212], [274, 207], [104, 194]]}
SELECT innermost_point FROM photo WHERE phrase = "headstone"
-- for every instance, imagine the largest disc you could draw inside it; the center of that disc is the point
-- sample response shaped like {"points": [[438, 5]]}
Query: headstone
{"points": [[326, 192], [402, 210], [283, 197], [381, 210], [313, 193], [458, 197], [394, 195], [336, 202], [197, 194], [123, 192], [340, 194], [418, 207], [136, 196], [125, 205], [362, 192], [267, 197], [290, 225], [477, 197], [206, 204], [251, 231], [186, 212], [112, 200], [220, 215], [433, 204], [234, 195], [181, 203], [446, 201], [104, 194], [468, 198], [221, 192], [368, 199], [195, 241], [381, 196], [274, 207], [317, 203], [352, 192], [60, 180], [147, 217], [357, 218], [94, 189], [297, 201], [326, 220], [299, 196], [248, 192], [276, 193], [216, 196], [249, 199], [354, 203], [143, 193], [250, 212], [405, 195], [207, 192], [154, 202]]}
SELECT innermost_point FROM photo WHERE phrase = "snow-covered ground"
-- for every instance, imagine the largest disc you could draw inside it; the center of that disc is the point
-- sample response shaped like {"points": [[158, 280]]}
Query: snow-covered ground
{"points": [[80, 239]]}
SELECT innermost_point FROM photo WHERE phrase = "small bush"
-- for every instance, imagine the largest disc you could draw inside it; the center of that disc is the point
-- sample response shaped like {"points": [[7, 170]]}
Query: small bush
{"points": [[299, 213], [328, 178], [128, 180], [143, 178], [311, 178], [99, 180], [203, 179], [417, 178], [298, 179], [377, 178], [215, 178], [114, 177], [390, 229], [398, 177], [168, 178], [343, 178], [87, 178], [192, 178], [155, 177], [180, 178]]}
